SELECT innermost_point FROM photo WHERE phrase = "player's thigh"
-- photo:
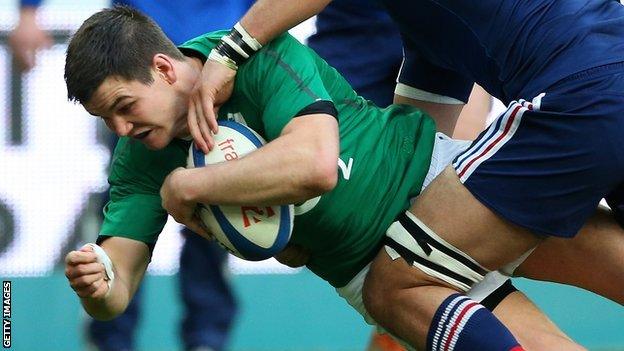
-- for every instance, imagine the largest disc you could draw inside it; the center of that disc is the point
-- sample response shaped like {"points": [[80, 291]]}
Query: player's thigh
{"points": [[531, 326], [541, 167], [593, 259], [454, 214]]}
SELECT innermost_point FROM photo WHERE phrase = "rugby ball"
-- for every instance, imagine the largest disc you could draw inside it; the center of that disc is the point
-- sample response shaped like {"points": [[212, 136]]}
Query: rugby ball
{"points": [[252, 233]]}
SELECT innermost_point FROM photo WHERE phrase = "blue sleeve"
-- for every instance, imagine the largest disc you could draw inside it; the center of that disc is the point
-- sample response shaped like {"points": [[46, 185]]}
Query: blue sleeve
{"points": [[419, 73], [34, 3]]}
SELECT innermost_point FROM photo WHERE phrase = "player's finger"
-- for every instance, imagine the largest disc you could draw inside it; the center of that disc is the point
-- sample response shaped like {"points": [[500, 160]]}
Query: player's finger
{"points": [[87, 291], [86, 280], [182, 216], [197, 226], [203, 117], [208, 106], [216, 111], [86, 248], [93, 290], [102, 289], [79, 257], [194, 127], [218, 75], [72, 272]]}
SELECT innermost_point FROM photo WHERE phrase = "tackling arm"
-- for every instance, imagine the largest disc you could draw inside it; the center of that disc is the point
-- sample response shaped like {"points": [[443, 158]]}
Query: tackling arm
{"points": [[264, 21], [267, 19]]}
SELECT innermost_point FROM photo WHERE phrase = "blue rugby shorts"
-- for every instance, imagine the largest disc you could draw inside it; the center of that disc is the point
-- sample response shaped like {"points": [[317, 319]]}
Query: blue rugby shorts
{"points": [[545, 164]]}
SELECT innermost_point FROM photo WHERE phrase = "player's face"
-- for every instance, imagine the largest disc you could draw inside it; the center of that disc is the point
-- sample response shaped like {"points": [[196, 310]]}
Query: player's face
{"points": [[154, 114]]}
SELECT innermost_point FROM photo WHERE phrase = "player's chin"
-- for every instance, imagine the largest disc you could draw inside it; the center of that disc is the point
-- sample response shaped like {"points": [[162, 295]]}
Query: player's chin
{"points": [[156, 141]]}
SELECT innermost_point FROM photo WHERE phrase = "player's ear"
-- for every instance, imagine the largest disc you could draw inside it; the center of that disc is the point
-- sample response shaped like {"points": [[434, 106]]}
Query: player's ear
{"points": [[164, 68]]}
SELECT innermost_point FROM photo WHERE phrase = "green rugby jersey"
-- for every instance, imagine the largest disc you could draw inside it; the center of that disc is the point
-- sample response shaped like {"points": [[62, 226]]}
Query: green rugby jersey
{"points": [[384, 157]]}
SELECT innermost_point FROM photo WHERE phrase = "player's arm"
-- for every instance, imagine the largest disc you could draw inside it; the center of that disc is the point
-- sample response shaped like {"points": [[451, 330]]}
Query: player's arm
{"points": [[264, 21], [267, 19], [104, 297], [286, 89], [133, 219], [298, 165]]}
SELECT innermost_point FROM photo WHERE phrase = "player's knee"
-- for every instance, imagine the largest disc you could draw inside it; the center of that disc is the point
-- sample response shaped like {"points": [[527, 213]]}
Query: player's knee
{"points": [[371, 297], [375, 294], [382, 287], [379, 301]]}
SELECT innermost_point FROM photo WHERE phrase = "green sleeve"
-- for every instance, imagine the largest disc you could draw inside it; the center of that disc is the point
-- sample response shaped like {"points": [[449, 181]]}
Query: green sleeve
{"points": [[136, 175], [135, 216], [282, 79]]}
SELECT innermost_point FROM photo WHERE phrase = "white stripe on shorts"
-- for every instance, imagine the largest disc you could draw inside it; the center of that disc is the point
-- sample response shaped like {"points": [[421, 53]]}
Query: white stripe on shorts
{"points": [[499, 133]]}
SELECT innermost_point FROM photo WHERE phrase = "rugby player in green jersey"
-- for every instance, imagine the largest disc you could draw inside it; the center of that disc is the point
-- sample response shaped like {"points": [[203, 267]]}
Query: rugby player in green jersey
{"points": [[121, 68]]}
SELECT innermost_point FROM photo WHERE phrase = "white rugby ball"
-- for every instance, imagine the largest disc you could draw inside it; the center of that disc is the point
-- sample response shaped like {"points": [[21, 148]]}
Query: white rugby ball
{"points": [[250, 232]]}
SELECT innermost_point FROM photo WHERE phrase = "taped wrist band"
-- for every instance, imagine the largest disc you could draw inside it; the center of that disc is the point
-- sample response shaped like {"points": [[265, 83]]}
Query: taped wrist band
{"points": [[217, 56], [235, 48], [247, 38]]}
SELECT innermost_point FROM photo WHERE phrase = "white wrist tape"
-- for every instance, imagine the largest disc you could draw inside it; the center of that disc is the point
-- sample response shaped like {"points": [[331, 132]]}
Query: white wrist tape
{"points": [[247, 38], [215, 55], [103, 258]]}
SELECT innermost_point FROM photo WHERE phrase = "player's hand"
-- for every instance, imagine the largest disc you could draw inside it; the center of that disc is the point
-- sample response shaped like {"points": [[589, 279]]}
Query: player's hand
{"points": [[27, 39], [176, 201], [86, 276], [211, 91], [293, 256]]}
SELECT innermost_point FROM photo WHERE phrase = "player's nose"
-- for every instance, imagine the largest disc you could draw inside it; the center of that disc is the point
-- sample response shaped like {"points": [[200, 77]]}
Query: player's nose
{"points": [[120, 126]]}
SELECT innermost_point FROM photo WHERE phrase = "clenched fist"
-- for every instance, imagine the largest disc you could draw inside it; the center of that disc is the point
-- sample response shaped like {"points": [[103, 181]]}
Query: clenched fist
{"points": [[85, 274]]}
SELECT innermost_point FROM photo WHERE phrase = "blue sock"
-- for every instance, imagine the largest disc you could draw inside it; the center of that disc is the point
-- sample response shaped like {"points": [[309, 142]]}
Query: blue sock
{"points": [[462, 324]]}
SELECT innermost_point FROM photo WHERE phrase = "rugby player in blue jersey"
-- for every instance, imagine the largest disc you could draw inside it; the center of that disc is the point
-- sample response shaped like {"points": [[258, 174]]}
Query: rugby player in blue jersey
{"points": [[536, 175]]}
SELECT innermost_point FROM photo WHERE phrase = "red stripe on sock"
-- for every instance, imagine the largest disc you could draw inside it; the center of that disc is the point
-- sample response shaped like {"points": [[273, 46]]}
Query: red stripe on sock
{"points": [[458, 321]]}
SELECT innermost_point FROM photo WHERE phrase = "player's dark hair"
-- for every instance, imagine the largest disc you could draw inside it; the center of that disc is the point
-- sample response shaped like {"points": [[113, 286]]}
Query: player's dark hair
{"points": [[118, 41]]}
